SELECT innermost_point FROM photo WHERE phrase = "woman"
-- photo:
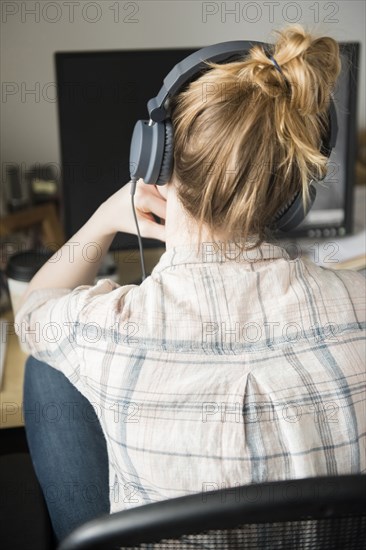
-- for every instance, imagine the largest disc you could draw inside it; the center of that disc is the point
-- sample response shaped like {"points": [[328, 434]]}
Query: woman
{"points": [[231, 363]]}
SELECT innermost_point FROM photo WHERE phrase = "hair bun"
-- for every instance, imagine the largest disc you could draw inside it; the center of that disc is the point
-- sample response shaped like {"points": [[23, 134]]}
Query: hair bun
{"points": [[309, 68]]}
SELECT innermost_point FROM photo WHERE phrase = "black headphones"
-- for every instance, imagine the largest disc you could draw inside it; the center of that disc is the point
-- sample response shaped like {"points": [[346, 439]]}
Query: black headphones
{"points": [[151, 153]]}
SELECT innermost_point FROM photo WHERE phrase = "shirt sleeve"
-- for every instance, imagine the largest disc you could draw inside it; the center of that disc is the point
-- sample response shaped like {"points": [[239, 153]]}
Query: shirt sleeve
{"points": [[52, 323]]}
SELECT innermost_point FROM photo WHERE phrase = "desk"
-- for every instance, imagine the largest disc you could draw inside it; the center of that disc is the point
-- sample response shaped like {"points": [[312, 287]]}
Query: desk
{"points": [[11, 414], [128, 265]]}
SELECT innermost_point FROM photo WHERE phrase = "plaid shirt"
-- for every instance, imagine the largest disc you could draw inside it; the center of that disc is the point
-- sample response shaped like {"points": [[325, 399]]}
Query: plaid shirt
{"points": [[216, 371]]}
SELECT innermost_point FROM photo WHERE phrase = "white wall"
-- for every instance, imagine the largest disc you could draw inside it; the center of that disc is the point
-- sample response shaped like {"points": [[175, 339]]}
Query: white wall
{"points": [[29, 132]]}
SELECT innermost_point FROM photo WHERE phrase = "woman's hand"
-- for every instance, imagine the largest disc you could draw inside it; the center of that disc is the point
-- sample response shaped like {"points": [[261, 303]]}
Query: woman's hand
{"points": [[66, 270], [115, 214]]}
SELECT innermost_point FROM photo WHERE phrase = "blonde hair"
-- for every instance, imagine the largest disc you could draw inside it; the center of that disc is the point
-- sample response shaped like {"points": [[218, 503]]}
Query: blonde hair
{"points": [[246, 136]]}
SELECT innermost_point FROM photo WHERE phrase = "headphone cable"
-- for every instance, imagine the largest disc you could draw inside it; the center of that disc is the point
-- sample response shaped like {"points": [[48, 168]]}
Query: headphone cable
{"points": [[142, 261]]}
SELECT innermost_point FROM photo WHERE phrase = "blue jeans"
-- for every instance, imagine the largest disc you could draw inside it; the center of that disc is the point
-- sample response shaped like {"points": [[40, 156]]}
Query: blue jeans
{"points": [[67, 447]]}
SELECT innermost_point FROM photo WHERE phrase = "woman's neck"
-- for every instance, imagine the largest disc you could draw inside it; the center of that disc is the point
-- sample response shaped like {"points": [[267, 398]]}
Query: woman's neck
{"points": [[181, 229]]}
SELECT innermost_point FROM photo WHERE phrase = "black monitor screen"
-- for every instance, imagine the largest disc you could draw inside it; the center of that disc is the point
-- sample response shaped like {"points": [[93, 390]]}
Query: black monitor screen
{"points": [[102, 94]]}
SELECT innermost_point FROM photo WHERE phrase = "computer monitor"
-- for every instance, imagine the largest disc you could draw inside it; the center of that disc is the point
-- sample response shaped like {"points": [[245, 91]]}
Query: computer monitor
{"points": [[101, 94]]}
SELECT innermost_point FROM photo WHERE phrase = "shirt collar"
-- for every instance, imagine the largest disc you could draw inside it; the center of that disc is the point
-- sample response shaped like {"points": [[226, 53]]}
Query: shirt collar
{"points": [[213, 253]]}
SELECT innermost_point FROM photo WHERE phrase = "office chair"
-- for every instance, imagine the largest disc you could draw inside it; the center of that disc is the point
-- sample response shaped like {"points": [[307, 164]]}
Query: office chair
{"points": [[24, 519], [316, 513]]}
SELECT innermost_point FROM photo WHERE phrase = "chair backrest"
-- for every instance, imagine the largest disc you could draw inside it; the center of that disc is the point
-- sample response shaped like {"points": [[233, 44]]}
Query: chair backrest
{"points": [[316, 513]]}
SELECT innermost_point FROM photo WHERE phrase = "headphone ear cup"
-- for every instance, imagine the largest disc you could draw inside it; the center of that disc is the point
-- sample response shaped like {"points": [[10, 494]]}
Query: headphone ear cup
{"points": [[147, 150], [168, 156], [293, 213], [330, 138]]}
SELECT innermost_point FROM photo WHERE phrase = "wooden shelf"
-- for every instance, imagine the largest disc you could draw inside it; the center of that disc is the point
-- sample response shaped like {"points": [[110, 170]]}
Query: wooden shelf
{"points": [[44, 215]]}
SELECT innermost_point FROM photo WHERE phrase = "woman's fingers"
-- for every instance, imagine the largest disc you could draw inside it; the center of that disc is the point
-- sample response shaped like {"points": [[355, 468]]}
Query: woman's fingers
{"points": [[152, 230], [117, 214], [152, 204], [148, 199]]}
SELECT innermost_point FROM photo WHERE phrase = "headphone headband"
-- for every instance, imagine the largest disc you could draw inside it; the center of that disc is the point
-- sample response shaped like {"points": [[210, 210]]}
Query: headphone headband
{"points": [[183, 71]]}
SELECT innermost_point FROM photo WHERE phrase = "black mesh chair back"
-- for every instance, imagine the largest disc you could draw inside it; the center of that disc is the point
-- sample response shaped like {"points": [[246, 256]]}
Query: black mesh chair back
{"points": [[322, 513]]}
